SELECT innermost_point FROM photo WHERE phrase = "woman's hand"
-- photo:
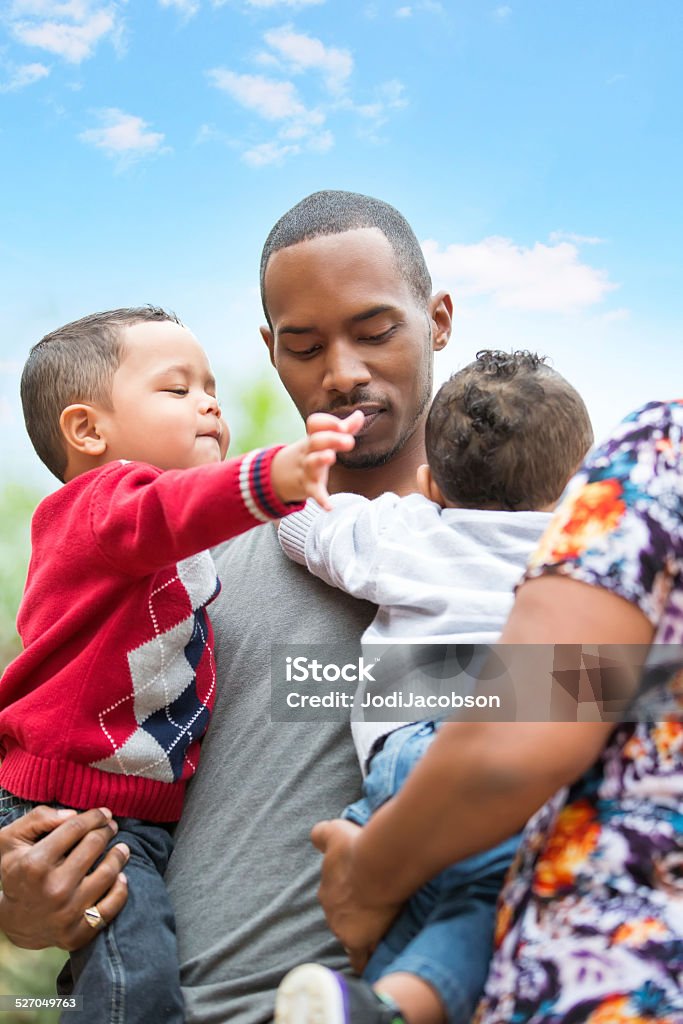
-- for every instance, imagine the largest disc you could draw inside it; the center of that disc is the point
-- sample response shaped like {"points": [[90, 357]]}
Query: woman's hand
{"points": [[358, 925]]}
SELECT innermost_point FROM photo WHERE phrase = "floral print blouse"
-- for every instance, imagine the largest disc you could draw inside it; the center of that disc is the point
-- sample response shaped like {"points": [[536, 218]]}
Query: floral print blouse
{"points": [[590, 921]]}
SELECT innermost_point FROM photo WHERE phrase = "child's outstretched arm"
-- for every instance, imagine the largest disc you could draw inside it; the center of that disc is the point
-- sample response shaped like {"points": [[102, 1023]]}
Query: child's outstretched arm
{"points": [[301, 470]]}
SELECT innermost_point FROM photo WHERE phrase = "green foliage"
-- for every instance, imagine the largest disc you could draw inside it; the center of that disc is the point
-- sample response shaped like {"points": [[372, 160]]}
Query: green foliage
{"points": [[16, 507], [29, 973], [264, 415]]}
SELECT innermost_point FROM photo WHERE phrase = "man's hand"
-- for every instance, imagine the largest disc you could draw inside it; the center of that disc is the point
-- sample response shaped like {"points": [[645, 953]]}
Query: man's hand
{"points": [[44, 861], [301, 470], [357, 925]]}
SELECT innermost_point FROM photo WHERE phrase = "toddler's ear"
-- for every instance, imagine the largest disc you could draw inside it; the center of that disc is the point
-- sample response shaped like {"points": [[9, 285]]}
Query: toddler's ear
{"points": [[428, 487], [78, 424]]}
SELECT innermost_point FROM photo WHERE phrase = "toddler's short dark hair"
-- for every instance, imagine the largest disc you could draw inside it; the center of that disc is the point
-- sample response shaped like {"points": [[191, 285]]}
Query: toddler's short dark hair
{"points": [[506, 432], [75, 363]]}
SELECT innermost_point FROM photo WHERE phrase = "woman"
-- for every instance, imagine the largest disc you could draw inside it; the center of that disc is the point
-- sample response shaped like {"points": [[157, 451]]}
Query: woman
{"points": [[590, 923]]}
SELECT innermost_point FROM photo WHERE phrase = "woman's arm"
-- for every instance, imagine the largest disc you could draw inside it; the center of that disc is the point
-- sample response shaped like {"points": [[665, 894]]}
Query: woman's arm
{"points": [[480, 781]]}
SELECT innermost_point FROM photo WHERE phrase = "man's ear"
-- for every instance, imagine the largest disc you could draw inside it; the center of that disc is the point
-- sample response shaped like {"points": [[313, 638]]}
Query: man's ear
{"points": [[428, 487], [441, 314], [267, 336], [79, 427]]}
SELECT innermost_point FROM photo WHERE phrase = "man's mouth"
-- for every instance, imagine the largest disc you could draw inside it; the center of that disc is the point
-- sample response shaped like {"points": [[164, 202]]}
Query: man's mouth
{"points": [[371, 412]]}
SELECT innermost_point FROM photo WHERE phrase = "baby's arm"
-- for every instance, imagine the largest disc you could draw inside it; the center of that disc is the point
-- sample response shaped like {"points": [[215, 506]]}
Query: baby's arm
{"points": [[343, 546]]}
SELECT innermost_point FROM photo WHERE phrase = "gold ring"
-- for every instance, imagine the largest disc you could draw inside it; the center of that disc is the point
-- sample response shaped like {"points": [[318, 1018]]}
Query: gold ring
{"points": [[93, 917]]}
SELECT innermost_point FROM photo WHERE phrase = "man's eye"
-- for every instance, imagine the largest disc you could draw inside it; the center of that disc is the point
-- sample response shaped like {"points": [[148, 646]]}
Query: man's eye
{"points": [[384, 336], [305, 353]]}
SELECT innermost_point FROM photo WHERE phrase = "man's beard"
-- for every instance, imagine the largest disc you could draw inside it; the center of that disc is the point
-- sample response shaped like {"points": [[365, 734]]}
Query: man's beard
{"points": [[358, 459]]}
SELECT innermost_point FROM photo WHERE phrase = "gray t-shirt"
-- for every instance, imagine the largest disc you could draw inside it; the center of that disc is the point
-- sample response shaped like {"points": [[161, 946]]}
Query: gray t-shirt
{"points": [[243, 875]]}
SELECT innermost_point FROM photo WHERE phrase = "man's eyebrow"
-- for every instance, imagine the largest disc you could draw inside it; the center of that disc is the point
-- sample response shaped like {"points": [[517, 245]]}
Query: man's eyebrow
{"points": [[366, 314], [290, 329]]}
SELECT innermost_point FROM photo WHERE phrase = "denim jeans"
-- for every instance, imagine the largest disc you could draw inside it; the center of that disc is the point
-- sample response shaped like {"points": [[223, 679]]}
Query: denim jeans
{"points": [[444, 934], [129, 973]]}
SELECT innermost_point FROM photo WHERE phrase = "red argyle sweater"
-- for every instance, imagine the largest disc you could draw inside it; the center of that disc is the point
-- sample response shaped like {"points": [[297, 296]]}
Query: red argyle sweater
{"points": [[109, 700]]}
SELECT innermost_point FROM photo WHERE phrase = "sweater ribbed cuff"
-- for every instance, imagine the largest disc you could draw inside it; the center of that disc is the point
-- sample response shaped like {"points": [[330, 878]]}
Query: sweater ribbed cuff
{"points": [[257, 489], [293, 531]]}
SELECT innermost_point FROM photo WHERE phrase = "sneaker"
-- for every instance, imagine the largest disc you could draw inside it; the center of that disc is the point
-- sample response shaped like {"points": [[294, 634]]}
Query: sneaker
{"points": [[312, 994]]}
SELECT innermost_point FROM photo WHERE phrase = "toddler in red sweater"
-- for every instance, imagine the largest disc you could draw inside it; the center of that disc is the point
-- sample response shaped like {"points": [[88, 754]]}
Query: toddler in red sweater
{"points": [[109, 700]]}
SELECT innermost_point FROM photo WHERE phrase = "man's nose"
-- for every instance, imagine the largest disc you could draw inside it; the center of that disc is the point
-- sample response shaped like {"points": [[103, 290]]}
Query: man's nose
{"points": [[345, 369]]}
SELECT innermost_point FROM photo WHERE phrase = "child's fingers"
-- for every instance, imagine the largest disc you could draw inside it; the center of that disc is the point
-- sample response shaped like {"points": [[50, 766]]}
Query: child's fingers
{"points": [[322, 497], [326, 421], [330, 439]]}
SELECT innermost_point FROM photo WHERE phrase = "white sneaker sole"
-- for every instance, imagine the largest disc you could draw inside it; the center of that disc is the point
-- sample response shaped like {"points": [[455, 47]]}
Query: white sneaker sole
{"points": [[310, 994]]}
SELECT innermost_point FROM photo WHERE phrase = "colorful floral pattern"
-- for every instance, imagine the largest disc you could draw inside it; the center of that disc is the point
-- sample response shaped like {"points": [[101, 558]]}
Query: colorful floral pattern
{"points": [[590, 924]]}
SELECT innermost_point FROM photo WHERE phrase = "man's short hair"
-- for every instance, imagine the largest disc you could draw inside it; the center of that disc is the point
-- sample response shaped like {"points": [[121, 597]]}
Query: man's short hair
{"points": [[506, 432], [332, 213], [75, 363]]}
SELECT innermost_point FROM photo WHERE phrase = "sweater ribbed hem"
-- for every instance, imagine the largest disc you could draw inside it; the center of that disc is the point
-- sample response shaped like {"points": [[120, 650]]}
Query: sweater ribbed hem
{"points": [[293, 531], [43, 780]]}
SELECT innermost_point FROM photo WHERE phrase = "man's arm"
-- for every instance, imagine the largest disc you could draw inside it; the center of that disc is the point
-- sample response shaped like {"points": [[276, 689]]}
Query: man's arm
{"points": [[44, 862]]}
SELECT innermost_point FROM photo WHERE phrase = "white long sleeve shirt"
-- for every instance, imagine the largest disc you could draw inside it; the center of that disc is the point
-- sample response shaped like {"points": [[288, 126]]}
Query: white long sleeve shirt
{"points": [[445, 574]]}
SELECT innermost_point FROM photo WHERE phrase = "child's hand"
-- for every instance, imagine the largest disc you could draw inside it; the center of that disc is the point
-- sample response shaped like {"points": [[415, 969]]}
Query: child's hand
{"points": [[300, 470]]}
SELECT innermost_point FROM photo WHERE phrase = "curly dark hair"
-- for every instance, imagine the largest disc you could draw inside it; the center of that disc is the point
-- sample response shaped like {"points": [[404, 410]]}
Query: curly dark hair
{"points": [[506, 432]]}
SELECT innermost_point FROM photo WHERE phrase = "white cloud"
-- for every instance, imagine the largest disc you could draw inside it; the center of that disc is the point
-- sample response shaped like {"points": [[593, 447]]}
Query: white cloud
{"points": [[290, 142], [305, 53], [209, 133], [547, 278], [70, 29], [388, 96], [300, 124], [124, 137], [403, 12], [25, 74], [502, 12], [570, 236], [269, 4], [268, 153], [321, 142], [275, 101], [616, 315], [188, 8], [283, 3]]}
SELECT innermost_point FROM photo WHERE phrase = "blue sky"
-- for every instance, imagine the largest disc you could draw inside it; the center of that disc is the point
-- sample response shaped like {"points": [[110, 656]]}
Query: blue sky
{"points": [[147, 148]]}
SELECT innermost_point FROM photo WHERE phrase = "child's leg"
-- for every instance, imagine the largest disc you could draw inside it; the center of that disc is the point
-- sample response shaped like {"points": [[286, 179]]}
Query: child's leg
{"points": [[129, 973], [434, 960]]}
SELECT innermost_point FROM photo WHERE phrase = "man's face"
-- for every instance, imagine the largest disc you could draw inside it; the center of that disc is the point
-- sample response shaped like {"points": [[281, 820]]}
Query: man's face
{"points": [[348, 333]]}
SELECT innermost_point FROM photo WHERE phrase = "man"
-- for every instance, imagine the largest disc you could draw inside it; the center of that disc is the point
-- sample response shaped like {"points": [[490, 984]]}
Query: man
{"points": [[351, 325]]}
